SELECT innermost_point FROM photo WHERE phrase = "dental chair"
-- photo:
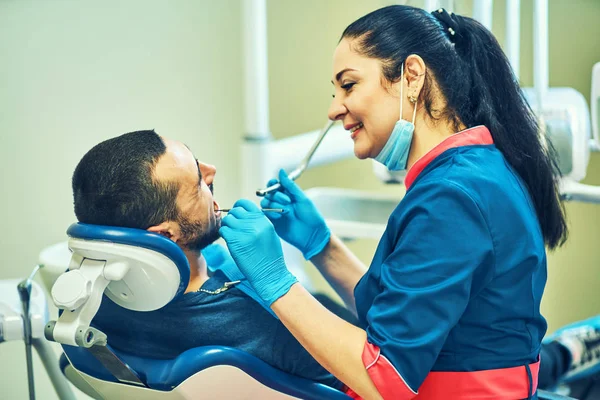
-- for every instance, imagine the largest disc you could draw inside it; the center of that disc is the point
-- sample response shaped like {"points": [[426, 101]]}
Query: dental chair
{"points": [[143, 271]]}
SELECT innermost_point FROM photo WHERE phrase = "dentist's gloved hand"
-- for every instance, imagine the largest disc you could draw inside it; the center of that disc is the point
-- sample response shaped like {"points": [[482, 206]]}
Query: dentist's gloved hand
{"points": [[301, 224], [256, 249]]}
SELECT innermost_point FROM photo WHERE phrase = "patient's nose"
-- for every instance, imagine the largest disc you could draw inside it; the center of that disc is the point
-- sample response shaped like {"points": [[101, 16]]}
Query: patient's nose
{"points": [[208, 172]]}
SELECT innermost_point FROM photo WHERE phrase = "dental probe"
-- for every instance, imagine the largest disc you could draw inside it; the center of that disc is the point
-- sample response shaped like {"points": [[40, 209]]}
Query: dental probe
{"points": [[300, 169], [278, 210]]}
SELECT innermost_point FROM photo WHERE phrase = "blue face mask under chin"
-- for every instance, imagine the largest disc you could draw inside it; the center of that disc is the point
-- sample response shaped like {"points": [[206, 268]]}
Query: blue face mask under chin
{"points": [[394, 154]]}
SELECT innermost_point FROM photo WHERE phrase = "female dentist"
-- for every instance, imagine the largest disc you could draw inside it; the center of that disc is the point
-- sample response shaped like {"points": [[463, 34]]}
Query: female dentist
{"points": [[450, 305]]}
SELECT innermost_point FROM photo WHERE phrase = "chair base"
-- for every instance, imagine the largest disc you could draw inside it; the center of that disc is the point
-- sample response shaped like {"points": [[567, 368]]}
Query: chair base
{"points": [[219, 382]]}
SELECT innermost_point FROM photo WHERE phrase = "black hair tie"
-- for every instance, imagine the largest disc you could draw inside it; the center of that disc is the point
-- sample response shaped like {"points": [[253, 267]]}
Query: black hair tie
{"points": [[448, 22]]}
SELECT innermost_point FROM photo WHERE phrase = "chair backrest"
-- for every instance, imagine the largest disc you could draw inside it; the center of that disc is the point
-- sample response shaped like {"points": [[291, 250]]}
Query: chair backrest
{"points": [[157, 272]]}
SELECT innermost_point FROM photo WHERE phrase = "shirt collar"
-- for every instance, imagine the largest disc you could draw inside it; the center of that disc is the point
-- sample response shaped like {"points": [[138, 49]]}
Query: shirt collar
{"points": [[478, 135]]}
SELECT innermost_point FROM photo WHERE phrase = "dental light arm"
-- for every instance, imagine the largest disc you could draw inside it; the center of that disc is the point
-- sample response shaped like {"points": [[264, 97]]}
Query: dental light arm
{"points": [[303, 165]]}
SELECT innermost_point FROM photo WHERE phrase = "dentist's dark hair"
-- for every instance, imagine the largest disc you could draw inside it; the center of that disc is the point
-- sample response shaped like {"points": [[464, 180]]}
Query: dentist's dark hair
{"points": [[468, 66], [113, 184]]}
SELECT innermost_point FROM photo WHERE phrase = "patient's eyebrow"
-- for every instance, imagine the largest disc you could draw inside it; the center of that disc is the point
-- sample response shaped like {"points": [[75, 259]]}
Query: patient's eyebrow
{"points": [[197, 165], [199, 172]]}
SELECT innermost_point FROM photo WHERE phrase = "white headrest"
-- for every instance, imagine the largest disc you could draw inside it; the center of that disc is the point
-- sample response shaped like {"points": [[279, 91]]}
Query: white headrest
{"points": [[152, 279]]}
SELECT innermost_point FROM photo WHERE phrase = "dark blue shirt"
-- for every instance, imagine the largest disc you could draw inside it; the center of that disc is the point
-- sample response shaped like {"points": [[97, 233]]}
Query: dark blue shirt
{"points": [[230, 318]]}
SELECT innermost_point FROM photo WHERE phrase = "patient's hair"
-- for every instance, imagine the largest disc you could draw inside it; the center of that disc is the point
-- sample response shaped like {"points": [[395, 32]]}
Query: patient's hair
{"points": [[113, 183]]}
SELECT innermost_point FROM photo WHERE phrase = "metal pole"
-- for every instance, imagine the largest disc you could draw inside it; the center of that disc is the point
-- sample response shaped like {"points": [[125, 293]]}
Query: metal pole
{"points": [[513, 33], [540, 52], [256, 83], [24, 289], [60, 383], [256, 162], [482, 12]]}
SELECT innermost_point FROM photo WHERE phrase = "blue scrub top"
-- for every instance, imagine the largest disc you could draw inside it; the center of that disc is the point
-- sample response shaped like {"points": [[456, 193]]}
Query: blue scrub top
{"points": [[458, 276]]}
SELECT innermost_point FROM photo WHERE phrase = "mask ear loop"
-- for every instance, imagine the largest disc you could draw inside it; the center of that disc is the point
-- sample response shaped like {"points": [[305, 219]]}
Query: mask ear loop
{"points": [[414, 101], [401, 90], [414, 111], [411, 98]]}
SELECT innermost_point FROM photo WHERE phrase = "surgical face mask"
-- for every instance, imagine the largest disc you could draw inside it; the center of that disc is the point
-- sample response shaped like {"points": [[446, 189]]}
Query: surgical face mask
{"points": [[394, 154]]}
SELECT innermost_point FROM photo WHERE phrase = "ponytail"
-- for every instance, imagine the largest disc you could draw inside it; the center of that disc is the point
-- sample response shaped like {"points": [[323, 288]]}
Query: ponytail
{"points": [[475, 77], [496, 101]]}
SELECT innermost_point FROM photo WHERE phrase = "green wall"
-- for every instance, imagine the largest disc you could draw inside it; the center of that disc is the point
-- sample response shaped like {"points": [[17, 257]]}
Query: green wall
{"points": [[74, 73]]}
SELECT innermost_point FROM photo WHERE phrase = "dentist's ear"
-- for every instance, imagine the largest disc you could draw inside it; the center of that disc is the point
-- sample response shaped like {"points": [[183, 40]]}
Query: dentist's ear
{"points": [[414, 72], [168, 229]]}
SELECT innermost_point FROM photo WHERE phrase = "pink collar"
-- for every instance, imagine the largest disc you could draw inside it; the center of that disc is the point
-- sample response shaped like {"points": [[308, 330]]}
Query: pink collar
{"points": [[478, 135]]}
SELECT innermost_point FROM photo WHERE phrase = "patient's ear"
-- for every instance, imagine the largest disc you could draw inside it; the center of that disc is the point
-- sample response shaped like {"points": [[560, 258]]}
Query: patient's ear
{"points": [[168, 229]]}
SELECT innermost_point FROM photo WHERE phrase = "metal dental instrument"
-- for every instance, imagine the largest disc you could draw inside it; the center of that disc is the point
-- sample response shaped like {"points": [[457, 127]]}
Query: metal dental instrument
{"points": [[278, 210], [300, 169]]}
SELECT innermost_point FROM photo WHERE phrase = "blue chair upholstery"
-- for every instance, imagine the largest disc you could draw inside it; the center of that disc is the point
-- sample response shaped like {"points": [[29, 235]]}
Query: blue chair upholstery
{"points": [[166, 375], [139, 238]]}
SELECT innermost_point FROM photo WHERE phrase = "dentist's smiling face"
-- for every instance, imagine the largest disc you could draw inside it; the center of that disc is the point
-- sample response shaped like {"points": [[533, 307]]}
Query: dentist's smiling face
{"points": [[198, 221], [366, 103]]}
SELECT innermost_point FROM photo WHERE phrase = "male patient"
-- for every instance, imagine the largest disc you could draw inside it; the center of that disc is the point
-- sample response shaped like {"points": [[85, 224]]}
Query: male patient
{"points": [[142, 180]]}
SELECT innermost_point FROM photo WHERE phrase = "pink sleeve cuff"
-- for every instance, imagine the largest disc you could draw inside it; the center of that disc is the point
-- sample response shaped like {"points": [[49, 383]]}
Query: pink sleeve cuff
{"points": [[386, 378]]}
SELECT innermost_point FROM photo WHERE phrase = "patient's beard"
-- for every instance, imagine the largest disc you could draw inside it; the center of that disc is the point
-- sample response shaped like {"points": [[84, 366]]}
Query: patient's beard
{"points": [[195, 236]]}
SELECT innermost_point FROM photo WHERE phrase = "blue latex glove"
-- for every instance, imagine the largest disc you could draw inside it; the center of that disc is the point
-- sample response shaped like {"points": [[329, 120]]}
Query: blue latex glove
{"points": [[301, 224], [256, 249]]}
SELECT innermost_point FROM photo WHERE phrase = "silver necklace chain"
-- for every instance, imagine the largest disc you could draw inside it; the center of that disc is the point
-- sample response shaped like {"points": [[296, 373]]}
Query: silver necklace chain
{"points": [[223, 288]]}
